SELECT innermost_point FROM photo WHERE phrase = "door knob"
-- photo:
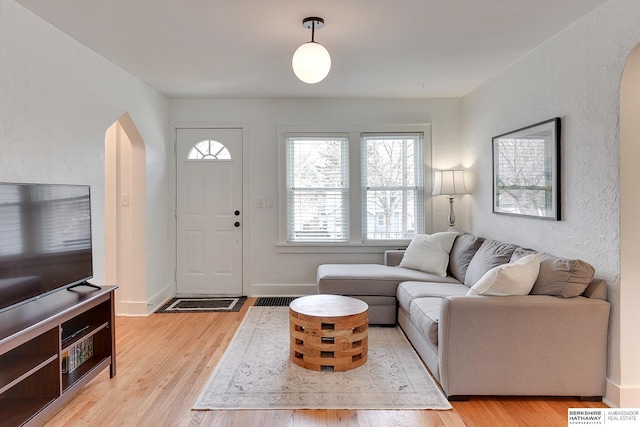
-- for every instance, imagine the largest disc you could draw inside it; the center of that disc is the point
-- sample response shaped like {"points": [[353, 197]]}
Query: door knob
{"points": [[237, 224], [237, 213]]}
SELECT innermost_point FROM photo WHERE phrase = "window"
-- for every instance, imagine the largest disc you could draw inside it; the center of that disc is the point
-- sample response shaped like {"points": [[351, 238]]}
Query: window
{"points": [[317, 189], [209, 150], [392, 177], [347, 186]]}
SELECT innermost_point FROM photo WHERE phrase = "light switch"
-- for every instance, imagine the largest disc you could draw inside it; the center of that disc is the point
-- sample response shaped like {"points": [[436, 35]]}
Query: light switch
{"points": [[124, 200]]}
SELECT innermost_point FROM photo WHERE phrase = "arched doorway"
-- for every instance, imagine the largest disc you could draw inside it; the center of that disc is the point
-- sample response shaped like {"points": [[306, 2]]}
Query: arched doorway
{"points": [[125, 216], [630, 232]]}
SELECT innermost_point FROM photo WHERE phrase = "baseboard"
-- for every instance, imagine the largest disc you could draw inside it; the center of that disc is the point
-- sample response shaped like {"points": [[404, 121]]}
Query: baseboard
{"points": [[271, 290], [611, 396], [144, 308], [132, 308], [617, 396], [160, 299]]}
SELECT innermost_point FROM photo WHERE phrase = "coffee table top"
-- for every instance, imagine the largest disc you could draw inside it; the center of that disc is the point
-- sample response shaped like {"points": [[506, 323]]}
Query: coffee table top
{"points": [[325, 305]]}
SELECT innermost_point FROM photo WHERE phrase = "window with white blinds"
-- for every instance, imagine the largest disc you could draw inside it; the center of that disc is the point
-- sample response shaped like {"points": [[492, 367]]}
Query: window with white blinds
{"points": [[392, 186], [317, 181], [352, 188]]}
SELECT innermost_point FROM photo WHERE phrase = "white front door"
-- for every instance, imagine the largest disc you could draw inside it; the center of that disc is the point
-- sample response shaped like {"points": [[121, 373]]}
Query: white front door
{"points": [[209, 212]]}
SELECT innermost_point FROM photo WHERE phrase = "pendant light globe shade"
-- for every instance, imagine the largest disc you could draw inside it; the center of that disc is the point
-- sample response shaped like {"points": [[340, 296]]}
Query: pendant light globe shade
{"points": [[311, 62]]}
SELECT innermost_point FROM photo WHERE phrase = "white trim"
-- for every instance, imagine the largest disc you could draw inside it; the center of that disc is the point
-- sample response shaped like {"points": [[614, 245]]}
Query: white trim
{"points": [[355, 217], [132, 309], [617, 396], [347, 248], [246, 188], [145, 308]]}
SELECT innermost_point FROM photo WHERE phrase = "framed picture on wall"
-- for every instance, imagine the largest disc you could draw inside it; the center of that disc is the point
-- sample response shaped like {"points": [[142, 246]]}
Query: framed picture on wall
{"points": [[526, 171]]}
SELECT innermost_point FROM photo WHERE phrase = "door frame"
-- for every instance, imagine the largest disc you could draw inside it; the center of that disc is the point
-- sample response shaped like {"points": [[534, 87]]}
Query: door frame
{"points": [[246, 194]]}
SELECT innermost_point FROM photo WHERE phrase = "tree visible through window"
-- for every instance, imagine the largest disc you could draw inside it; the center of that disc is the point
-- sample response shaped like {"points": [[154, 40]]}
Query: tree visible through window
{"points": [[317, 189], [392, 174], [353, 187]]}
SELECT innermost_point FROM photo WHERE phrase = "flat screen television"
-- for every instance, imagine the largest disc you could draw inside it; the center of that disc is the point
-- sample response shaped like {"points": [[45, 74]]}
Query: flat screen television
{"points": [[45, 240]]}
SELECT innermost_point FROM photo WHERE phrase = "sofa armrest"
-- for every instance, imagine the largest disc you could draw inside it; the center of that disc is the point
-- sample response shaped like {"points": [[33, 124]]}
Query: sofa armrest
{"points": [[393, 257], [596, 289], [523, 345]]}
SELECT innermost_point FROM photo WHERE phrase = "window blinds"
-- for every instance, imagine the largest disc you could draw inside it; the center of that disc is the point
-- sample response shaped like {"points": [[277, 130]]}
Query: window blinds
{"points": [[393, 186], [317, 189]]}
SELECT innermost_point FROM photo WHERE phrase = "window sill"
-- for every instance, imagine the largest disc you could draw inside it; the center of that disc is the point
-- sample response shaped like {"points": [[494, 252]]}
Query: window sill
{"points": [[339, 248]]}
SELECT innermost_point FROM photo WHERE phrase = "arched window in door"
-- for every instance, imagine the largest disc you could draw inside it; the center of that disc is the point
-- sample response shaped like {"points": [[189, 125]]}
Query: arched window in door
{"points": [[209, 150]]}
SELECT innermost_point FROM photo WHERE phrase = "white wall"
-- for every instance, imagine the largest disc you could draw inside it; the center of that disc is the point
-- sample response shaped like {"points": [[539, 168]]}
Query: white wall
{"points": [[630, 229], [575, 75], [273, 272], [57, 100]]}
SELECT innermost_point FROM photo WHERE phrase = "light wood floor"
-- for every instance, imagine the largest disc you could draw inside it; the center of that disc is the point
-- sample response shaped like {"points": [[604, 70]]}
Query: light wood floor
{"points": [[164, 360]]}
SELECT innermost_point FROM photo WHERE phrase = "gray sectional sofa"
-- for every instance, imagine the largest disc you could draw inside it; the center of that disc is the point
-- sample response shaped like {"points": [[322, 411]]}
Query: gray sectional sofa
{"points": [[550, 342]]}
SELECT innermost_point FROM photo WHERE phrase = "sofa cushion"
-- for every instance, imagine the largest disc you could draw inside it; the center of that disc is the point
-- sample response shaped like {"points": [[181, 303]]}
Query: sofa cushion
{"points": [[429, 252], [425, 314], [491, 254], [408, 291], [464, 248], [560, 277], [515, 278], [369, 279]]}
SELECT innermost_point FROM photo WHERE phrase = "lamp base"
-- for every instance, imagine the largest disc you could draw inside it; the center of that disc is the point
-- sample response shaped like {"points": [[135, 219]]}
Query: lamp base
{"points": [[452, 215]]}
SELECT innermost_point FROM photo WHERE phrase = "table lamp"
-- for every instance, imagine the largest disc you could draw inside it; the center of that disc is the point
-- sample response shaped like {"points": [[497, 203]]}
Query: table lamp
{"points": [[449, 182]]}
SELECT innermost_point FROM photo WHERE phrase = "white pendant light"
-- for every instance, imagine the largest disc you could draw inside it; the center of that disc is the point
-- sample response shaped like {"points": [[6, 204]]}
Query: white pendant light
{"points": [[311, 62]]}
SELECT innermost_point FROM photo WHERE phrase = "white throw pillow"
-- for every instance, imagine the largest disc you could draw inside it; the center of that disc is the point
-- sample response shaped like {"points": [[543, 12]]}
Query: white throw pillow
{"points": [[429, 252], [515, 278]]}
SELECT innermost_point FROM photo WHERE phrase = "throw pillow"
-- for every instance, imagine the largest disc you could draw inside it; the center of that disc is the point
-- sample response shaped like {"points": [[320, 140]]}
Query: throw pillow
{"points": [[560, 277], [429, 252], [509, 279], [491, 254], [464, 248]]}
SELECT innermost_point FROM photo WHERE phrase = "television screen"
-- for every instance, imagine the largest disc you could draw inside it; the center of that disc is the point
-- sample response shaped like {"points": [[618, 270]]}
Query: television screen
{"points": [[45, 239]]}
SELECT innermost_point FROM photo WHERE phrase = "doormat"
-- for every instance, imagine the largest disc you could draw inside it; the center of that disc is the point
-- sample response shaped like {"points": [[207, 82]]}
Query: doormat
{"points": [[203, 305], [274, 301]]}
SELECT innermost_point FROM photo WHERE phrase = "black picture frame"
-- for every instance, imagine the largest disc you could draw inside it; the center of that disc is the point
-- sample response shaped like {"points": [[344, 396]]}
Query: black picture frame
{"points": [[526, 171]]}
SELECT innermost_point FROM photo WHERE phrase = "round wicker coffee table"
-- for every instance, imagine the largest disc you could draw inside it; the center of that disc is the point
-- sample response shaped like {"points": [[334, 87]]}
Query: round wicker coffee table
{"points": [[328, 331]]}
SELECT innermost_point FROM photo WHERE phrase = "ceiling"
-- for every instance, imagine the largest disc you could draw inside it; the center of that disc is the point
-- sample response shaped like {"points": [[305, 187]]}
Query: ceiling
{"points": [[379, 48]]}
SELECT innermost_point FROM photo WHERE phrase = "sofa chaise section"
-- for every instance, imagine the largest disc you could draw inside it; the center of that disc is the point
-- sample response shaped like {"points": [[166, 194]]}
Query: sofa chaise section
{"points": [[374, 284]]}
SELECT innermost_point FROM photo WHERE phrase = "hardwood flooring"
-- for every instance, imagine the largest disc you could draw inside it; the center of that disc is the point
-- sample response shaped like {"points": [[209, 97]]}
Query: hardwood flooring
{"points": [[164, 360]]}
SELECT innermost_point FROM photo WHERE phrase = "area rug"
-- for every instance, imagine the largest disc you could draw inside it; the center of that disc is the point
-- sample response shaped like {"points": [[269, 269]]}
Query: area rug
{"points": [[255, 373], [199, 305]]}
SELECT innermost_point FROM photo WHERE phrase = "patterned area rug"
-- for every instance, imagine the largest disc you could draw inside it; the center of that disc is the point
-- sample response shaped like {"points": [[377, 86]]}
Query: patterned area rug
{"points": [[199, 305], [255, 373]]}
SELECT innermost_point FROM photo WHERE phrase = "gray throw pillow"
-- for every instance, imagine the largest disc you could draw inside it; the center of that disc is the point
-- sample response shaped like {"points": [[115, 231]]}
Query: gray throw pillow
{"points": [[521, 252], [491, 254], [464, 248], [559, 277]]}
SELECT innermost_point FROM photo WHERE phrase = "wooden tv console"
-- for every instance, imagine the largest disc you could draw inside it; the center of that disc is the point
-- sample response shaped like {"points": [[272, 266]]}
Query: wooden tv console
{"points": [[33, 338]]}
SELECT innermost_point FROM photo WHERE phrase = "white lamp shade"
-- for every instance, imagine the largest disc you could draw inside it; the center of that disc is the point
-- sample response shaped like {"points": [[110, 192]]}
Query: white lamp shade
{"points": [[449, 182], [311, 62]]}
